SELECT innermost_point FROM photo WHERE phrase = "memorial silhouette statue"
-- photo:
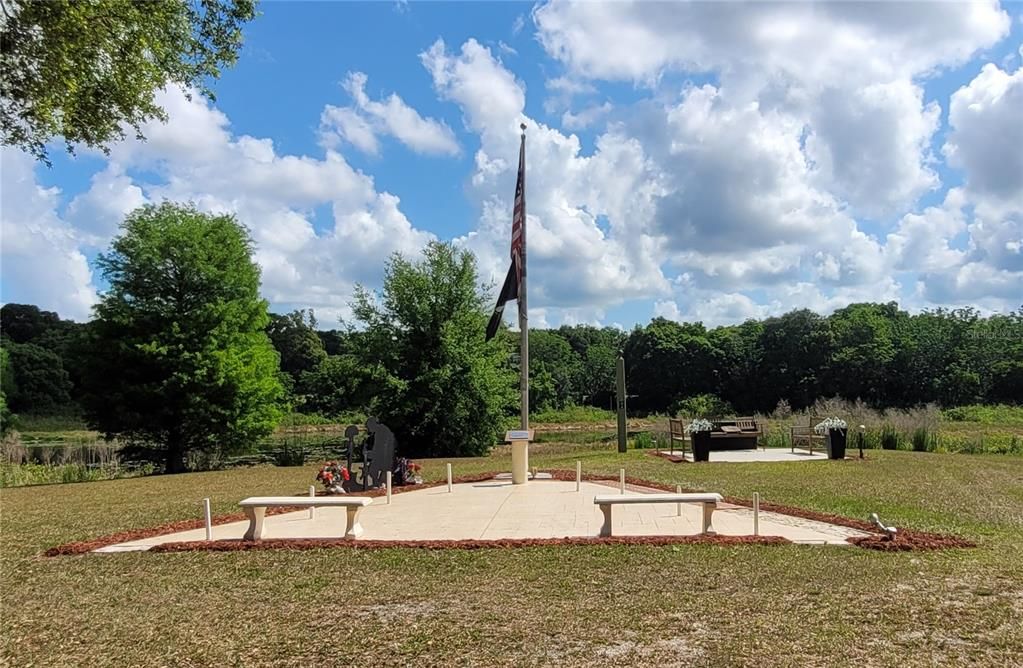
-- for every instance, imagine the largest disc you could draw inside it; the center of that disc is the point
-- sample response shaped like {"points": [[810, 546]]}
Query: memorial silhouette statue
{"points": [[377, 454], [350, 433]]}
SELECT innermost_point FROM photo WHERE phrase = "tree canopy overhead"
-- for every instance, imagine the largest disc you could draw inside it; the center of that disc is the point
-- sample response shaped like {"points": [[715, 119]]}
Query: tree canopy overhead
{"points": [[178, 356], [81, 70]]}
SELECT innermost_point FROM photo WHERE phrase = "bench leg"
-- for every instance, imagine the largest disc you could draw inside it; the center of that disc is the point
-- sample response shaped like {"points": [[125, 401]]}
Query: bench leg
{"points": [[255, 515], [605, 529], [352, 527], [708, 515]]}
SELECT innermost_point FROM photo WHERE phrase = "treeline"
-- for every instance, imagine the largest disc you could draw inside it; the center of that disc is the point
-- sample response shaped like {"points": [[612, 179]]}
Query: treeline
{"points": [[874, 352]]}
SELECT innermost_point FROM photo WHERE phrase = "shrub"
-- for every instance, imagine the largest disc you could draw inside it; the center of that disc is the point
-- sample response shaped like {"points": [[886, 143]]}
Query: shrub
{"points": [[702, 406], [923, 440], [998, 414], [776, 438], [289, 455], [644, 440], [783, 410], [889, 438]]}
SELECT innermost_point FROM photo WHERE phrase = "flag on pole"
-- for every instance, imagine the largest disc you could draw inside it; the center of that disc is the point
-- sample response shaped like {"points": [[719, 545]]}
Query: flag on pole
{"points": [[509, 292], [512, 282]]}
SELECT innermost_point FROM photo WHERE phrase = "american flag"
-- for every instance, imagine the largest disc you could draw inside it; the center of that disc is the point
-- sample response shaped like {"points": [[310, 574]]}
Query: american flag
{"points": [[518, 214], [513, 281]]}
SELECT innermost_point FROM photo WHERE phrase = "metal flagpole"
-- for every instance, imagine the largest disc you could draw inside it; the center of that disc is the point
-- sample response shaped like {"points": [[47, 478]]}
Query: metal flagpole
{"points": [[523, 315]]}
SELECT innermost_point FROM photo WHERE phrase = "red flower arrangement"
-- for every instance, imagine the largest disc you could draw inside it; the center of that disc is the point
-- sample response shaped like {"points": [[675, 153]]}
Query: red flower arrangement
{"points": [[332, 475], [407, 472]]}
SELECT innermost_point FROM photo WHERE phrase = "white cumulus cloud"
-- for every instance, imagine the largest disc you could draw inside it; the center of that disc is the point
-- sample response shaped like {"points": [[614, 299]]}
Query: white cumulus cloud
{"points": [[360, 125]]}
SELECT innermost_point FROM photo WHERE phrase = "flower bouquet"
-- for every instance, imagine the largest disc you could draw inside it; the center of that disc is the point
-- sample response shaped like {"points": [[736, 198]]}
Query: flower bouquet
{"points": [[333, 475], [407, 472]]}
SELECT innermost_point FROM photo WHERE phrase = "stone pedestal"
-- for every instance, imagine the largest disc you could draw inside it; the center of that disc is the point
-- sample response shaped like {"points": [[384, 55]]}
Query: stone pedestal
{"points": [[520, 461]]}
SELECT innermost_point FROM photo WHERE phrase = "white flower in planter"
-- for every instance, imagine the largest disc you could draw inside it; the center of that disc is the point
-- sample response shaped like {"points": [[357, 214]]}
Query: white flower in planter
{"points": [[699, 425], [829, 424]]}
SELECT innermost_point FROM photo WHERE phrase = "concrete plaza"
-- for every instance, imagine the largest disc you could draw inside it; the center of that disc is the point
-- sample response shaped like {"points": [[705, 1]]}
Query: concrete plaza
{"points": [[497, 509], [750, 456]]}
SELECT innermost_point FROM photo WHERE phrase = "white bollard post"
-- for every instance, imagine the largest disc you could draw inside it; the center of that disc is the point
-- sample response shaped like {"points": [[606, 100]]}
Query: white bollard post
{"points": [[678, 510], [388, 488], [578, 474], [449, 478], [312, 495], [209, 520], [756, 513], [621, 480]]}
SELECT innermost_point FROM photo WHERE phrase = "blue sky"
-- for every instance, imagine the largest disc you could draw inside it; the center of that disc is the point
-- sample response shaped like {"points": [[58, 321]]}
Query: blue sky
{"points": [[693, 161]]}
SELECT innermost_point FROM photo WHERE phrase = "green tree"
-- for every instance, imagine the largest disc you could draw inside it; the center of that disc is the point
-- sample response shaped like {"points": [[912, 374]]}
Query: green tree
{"points": [[82, 70], [41, 381], [597, 349], [543, 393], [563, 364], [798, 348], [865, 350], [438, 385], [23, 323], [334, 341], [7, 388], [739, 355], [666, 361], [178, 355], [294, 337], [337, 384]]}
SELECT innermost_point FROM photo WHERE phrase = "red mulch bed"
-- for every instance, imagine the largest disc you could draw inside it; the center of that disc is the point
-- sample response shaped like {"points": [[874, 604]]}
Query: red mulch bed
{"points": [[674, 459], [905, 540]]}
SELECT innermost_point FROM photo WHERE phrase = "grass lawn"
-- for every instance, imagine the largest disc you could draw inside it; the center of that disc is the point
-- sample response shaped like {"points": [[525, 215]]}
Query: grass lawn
{"points": [[608, 605]]}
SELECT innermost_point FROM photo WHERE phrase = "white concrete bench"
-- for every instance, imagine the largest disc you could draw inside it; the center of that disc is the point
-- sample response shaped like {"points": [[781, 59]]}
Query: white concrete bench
{"points": [[255, 509], [709, 500]]}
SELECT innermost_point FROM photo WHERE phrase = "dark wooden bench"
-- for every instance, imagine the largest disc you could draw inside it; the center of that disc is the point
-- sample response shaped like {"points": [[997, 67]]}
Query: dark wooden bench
{"points": [[803, 437], [677, 433], [741, 433]]}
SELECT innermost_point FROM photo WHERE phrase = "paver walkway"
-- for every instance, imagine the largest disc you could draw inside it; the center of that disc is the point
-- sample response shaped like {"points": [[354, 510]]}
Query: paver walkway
{"points": [[497, 509]]}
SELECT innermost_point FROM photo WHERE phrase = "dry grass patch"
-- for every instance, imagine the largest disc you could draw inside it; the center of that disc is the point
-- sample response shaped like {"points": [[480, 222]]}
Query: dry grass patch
{"points": [[603, 605]]}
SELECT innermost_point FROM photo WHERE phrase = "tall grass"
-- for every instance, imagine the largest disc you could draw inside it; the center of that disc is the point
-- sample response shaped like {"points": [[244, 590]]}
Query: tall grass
{"points": [[17, 475], [644, 440], [999, 414], [889, 438], [69, 421], [924, 440], [968, 429], [573, 414]]}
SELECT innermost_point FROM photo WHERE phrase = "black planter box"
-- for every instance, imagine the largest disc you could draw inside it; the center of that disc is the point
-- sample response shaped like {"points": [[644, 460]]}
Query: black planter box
{"points": [[701, 446], [835, 441]]}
